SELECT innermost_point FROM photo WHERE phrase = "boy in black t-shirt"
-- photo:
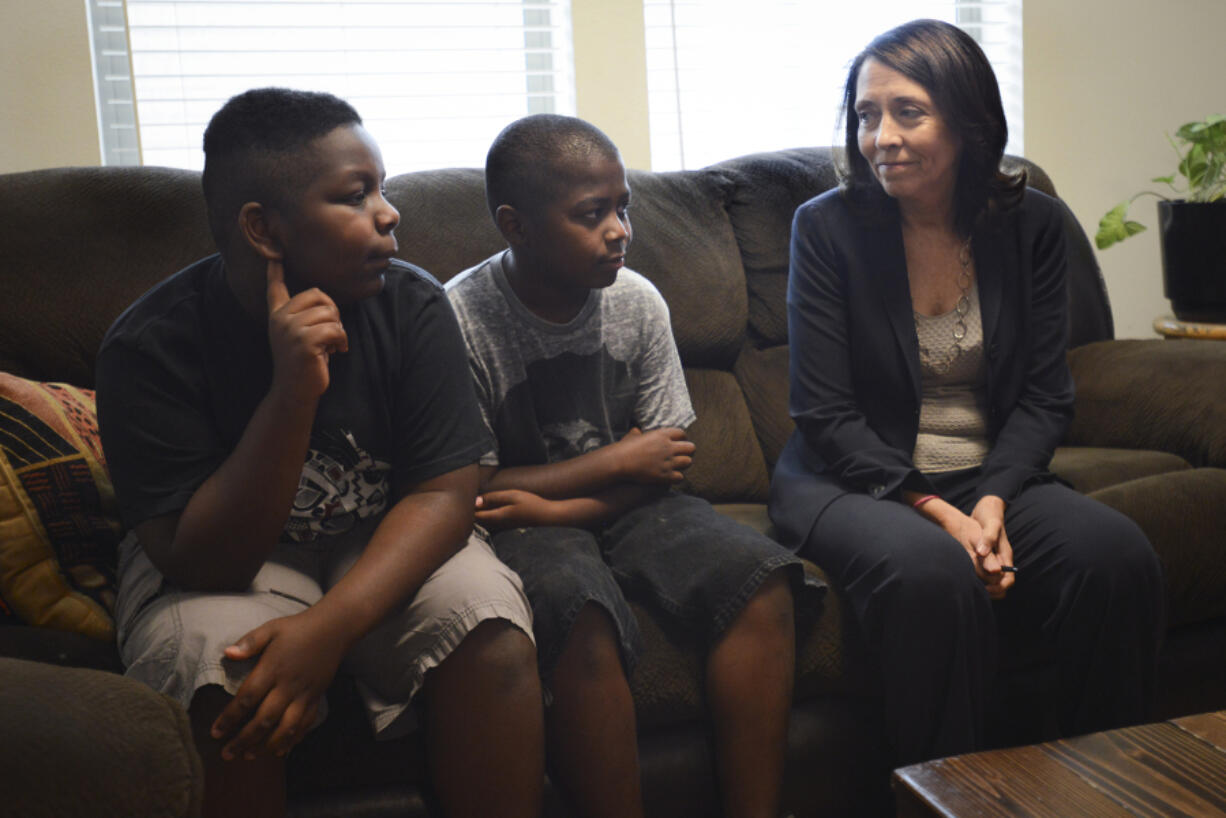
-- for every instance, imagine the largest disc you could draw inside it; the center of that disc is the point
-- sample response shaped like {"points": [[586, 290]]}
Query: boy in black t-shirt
{"points": [[293, 439]]}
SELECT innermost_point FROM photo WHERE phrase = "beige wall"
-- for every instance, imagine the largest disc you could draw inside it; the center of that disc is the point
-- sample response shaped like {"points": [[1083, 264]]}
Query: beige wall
{"points": [[611, 73], [1105, 81], [47, 109]]}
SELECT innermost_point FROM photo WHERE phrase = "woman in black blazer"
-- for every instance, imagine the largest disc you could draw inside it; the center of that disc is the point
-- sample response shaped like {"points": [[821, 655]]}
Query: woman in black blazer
{"points": [[927, 319]]}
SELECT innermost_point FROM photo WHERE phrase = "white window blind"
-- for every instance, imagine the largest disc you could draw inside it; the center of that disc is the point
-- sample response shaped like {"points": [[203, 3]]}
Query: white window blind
{"points": [[433, 81], [726, 77], [113, 83]]}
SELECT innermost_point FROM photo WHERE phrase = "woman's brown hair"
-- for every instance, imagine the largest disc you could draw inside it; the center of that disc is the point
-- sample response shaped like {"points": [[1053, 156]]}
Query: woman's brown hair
{"points": [[954, 71]]}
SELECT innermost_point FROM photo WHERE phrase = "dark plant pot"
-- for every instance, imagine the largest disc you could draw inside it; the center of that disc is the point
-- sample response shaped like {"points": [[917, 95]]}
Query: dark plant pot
{"points": [[1193, 238]]}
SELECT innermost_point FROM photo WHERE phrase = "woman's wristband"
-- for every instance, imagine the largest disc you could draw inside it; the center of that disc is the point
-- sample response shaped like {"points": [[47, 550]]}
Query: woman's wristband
{"points": [[923, 500]]}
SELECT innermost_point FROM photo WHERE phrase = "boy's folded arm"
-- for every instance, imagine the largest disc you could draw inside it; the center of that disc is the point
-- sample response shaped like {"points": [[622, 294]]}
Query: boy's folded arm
{"points": [[605, 506], [234, 519], [657, 457], [512, 508], [576, 477]]}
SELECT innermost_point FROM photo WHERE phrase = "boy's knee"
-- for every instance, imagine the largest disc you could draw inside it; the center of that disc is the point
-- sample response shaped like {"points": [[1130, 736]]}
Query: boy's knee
{"points": [[591, 650], [770, 610], [497, 650], [563, 587]]}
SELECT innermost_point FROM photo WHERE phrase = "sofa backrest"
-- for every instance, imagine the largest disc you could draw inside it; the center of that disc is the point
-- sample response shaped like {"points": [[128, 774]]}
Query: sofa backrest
{"points": [[765, 190], [79, 244]]}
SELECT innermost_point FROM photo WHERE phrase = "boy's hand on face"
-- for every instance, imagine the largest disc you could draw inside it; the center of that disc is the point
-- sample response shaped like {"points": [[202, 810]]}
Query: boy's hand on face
{"points": [[655, 457], [303, 332], [277, 703]]}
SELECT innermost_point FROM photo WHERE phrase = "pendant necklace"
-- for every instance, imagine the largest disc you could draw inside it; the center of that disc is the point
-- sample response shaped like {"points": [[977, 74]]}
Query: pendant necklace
{"points": [[961, 308]]}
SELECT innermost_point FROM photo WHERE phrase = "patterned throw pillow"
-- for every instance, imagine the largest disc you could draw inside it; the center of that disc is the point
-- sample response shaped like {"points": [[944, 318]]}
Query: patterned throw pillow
{"points": [[59, 525]]}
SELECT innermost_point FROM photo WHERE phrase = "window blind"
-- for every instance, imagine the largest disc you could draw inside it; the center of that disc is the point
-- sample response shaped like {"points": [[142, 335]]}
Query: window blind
{"points": [[726, 77], [433, 81], [113, 83]]}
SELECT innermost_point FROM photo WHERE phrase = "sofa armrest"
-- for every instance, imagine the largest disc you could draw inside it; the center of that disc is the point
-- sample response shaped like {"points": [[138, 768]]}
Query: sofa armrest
{"points": [[80, 742], [1163, 395]]}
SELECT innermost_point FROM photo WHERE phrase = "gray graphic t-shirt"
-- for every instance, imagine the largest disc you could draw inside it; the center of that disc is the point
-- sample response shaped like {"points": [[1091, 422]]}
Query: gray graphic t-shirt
{"points": [[549, 392]]}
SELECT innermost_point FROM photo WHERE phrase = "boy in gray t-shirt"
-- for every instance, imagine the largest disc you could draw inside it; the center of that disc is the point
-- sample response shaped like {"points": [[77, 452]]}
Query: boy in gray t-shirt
{"points": [[580, 383], [553, 391]]}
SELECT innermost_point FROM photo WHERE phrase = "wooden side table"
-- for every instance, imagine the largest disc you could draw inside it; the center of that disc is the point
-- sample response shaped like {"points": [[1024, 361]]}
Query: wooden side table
{"points": [[1172, 768], [1170, 327]]}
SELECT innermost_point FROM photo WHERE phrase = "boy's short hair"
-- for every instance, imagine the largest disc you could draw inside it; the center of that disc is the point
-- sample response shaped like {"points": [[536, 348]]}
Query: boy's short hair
{"points": [[253, 150], [524, 167]]}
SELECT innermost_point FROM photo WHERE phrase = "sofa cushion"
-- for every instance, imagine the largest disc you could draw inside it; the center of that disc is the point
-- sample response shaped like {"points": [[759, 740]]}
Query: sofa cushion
{"points": [[83, 742], [763, 376], [59, 525], [753, 515], [766, 189], [445, 226], [80, 245], [1089, 468], [728, 462], [684, 244], [1164, 395], [1183, 516]]}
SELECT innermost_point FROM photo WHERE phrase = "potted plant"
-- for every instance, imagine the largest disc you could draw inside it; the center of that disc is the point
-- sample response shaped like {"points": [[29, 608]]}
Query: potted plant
{"points": [[1193, 224]]}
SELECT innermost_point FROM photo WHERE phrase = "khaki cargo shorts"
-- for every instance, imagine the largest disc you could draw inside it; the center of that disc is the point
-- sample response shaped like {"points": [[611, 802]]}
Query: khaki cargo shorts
{"points": [[173, 640]]}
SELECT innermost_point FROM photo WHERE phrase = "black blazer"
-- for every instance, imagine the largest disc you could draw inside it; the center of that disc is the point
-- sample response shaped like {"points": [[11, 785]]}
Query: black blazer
{"points": [[855, 370]]}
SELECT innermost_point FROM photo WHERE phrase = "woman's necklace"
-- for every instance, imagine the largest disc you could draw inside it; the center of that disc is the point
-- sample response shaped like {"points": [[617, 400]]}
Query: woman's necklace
{"points": [[961, 308]]}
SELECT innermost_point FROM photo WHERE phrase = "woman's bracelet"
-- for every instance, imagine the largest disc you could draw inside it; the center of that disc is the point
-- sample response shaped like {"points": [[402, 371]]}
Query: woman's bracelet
{"points": [[923, 500]]}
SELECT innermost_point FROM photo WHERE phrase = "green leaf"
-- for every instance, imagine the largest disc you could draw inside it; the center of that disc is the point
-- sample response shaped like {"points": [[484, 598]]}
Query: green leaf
{"points": [[1189, 131], [1210, 182], [1114, 228], [1216, 137], [1200, 153], [1194, 165]]}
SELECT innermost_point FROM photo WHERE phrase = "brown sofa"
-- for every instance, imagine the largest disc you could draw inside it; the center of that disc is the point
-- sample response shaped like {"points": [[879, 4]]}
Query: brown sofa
{"points": [[79, 244]]}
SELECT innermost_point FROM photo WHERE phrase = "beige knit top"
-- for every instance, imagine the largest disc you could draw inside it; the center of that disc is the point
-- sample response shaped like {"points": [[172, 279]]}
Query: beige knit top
{"points": [[953, 408]]}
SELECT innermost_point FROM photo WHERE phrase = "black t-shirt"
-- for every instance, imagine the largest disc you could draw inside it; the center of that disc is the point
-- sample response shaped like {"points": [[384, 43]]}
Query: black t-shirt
{"points": [[181, 371]]}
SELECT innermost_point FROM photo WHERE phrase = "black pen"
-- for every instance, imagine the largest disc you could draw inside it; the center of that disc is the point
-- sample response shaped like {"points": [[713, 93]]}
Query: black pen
{"points": [[1009, 569]]}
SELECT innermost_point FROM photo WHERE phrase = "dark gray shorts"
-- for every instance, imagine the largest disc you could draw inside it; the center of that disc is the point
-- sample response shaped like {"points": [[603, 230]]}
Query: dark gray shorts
{"points": [[677, 555]]}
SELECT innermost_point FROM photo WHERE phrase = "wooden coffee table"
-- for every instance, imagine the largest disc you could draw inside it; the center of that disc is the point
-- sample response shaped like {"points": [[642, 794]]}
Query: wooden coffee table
{"points": [[1171, 768], [1170, 327]]}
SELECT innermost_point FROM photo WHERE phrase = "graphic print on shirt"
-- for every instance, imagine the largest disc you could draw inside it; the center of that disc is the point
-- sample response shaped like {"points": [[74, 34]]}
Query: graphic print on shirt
{"points": [[340, 485], [576, 403]]}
